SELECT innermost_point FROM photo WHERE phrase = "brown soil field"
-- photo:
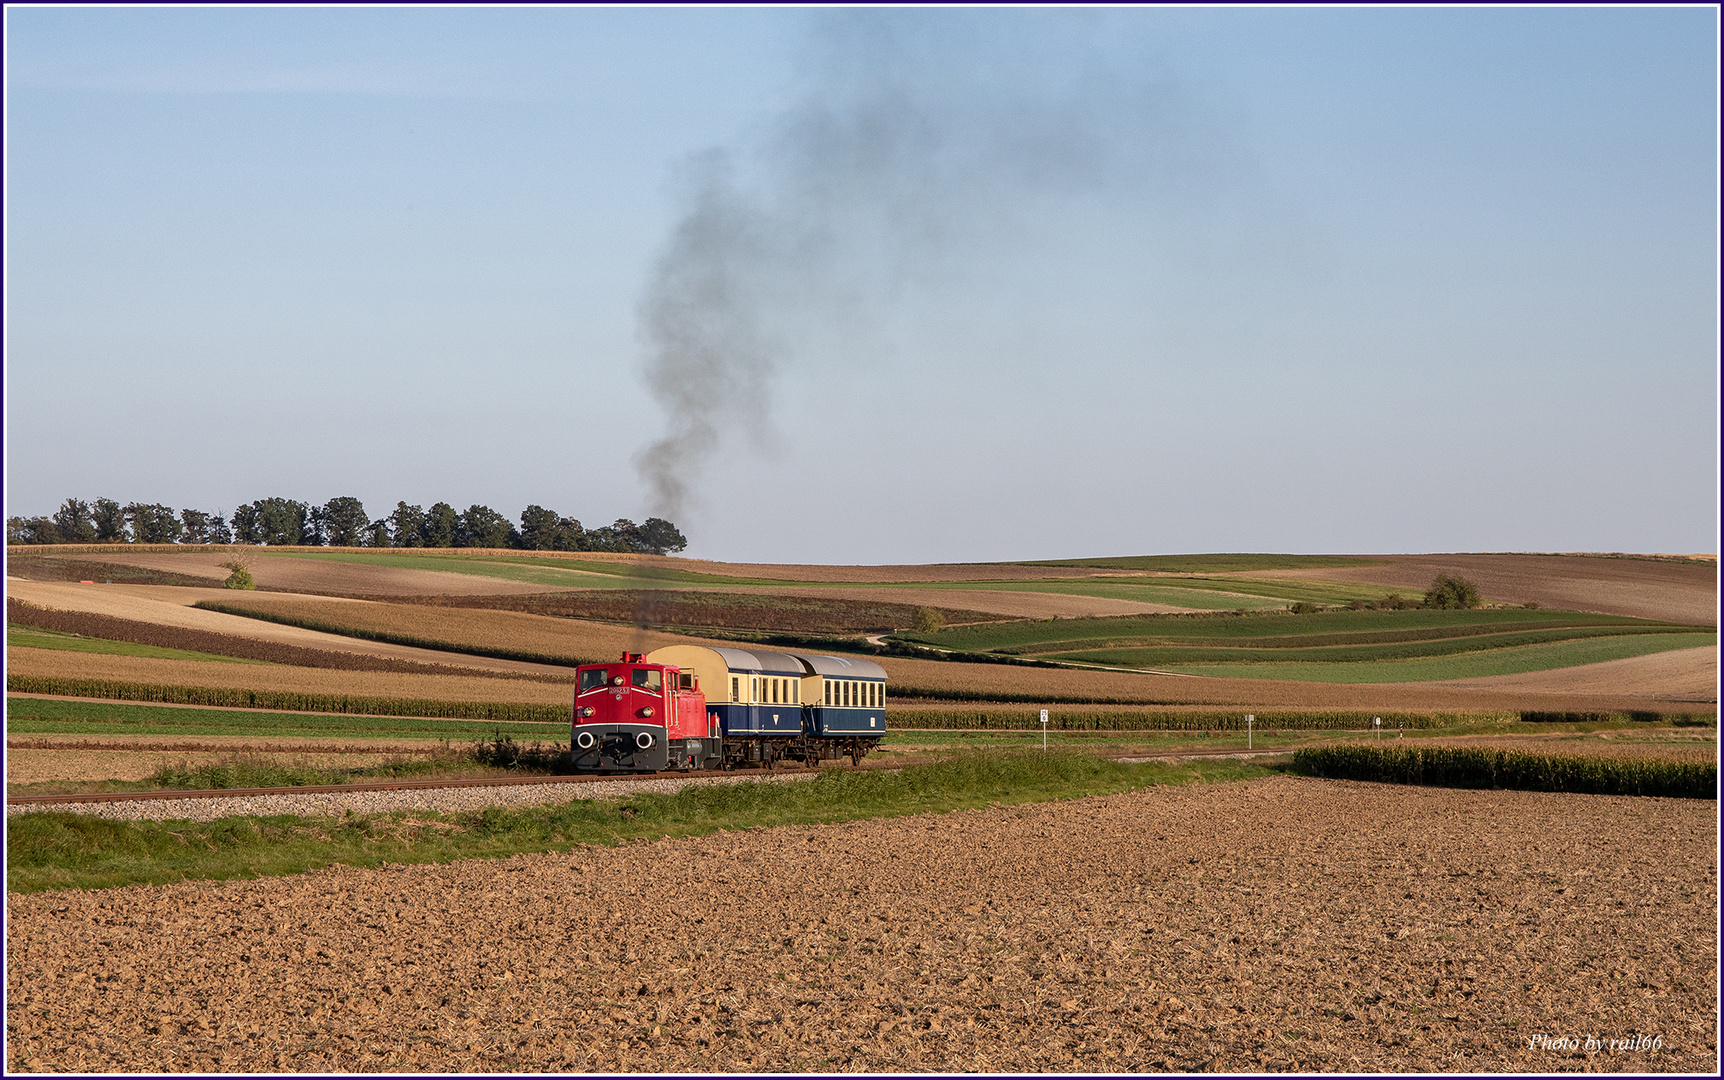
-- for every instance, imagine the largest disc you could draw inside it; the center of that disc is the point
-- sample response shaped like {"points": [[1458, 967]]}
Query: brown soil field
{"points": [[68, 665], [1678, 675], [1285, 924], [1642, 588]]}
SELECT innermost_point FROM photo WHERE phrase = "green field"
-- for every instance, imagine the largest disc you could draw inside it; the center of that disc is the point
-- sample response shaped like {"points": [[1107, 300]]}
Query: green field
{"points": [[1332, 646], [18, 637], [46, 716]]}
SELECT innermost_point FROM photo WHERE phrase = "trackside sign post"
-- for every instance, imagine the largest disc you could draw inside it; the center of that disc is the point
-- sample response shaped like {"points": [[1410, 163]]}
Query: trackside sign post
{"points": [[1248, 721], [1044, 729]]}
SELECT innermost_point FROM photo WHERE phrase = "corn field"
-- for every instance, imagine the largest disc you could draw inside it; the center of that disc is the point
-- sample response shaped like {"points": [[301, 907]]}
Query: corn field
{"points": [[1468, 767]]}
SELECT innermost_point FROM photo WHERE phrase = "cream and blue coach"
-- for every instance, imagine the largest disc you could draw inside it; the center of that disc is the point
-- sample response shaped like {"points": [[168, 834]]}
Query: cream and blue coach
{"points": [[755, 693]]}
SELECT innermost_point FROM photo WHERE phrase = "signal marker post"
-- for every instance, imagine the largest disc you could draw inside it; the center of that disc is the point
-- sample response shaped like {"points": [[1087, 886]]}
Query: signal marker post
{"points": [[1044, 729], [1248, 721], [1377, 726]]}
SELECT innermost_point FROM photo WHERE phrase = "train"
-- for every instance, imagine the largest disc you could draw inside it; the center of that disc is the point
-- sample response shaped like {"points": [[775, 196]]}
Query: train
{"points": [[691, 707]]}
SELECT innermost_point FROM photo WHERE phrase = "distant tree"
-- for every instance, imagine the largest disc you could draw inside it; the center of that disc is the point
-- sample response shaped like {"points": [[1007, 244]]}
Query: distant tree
{"points": [[345, 522], [194, 526], [927, 620], [219, 532], [275, 522], [660, 537], [1451, 592], [377, 533], [240, 578], [32, 530], [109, 519], [622, 535], [152, 523], [570, 535], [539, 528], [74, 523], [441, 522], [407, 526], [316, 530], [483, 527]]}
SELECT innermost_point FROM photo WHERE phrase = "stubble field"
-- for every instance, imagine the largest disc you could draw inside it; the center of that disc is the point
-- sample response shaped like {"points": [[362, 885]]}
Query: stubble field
{"points": [[1275, 924]]}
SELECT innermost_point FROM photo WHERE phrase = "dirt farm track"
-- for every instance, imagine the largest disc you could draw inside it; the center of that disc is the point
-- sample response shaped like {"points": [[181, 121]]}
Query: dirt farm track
{"points": [[1284, 923]]}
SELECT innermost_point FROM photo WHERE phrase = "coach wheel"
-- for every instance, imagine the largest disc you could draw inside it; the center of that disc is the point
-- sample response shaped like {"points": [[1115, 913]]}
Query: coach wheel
{"points": [[643, 739], [585, 740], [855, 754]]}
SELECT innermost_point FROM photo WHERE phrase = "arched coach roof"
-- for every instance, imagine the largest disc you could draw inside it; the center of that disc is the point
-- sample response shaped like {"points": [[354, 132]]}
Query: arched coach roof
{"points": [[842, 667], [774, 662]]}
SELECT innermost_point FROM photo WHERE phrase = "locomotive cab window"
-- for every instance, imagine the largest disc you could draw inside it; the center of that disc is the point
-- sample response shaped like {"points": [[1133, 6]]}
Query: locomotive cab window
{"points": [[649, 679], [685, 680], [593, 679]]}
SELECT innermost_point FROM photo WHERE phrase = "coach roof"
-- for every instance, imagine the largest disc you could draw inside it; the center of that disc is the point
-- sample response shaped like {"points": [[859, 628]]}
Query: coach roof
{"points": [[842, 667]]}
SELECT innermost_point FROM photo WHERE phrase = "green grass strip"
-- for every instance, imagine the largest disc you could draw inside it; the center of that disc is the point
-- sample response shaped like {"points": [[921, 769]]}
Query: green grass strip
{"points": [[1468, 767], [57, 850], [48, 639], [228, 697]]}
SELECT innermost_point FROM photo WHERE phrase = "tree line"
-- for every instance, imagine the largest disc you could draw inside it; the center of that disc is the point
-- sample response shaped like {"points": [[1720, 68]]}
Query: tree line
{"points": [[340, 522]]}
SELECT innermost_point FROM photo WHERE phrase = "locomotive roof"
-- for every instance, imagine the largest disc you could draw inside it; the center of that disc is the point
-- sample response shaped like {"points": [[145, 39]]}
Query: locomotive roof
{"points": [[834, 667]]}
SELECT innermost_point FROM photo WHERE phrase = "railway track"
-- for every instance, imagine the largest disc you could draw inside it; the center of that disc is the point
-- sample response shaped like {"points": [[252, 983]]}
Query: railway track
{"points": [[516, 781]]}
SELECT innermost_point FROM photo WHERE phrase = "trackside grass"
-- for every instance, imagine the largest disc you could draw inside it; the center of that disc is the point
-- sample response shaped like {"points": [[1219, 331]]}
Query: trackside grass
{"points": [[1468, 767], [55, 850]]}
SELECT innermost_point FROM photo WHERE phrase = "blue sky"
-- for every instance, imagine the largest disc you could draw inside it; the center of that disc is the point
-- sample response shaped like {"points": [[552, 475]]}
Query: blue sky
{"points": [[928, 285]]}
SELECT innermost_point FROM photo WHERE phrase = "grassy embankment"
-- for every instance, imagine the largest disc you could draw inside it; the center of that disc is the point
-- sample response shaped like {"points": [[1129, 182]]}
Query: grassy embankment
{"points": [[46, 716], [53, 850], [31, 638], [1333, 646]]}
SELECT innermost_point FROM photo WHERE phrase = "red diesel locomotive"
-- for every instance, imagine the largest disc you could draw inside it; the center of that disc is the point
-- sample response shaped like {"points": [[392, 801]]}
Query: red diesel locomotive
{"points": [[651, 713]]}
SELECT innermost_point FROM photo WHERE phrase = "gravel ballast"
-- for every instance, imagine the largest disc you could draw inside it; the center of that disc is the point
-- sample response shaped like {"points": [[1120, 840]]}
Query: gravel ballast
{"points": [[1279, 924]]}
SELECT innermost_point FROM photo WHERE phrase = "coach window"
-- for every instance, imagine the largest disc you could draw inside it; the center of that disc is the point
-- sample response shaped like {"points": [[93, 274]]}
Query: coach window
{"points": [[795, 692], [735, 688], [754, 688]]}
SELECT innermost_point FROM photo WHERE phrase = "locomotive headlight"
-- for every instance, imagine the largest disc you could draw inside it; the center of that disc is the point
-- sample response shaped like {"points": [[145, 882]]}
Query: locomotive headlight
{"points": [[586, 711], [585, 740], [647, 712]]}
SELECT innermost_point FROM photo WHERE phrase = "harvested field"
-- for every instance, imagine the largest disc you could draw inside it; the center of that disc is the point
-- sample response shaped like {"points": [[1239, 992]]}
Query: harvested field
{"points": [[107, 628], [710, 609], [1281, 924], [1642, 588], [136, 669], [462, 628], [170, 607]]}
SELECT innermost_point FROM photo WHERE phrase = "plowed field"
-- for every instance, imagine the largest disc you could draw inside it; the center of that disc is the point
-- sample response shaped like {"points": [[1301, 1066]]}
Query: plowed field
{"points": [[1283, 924]]}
